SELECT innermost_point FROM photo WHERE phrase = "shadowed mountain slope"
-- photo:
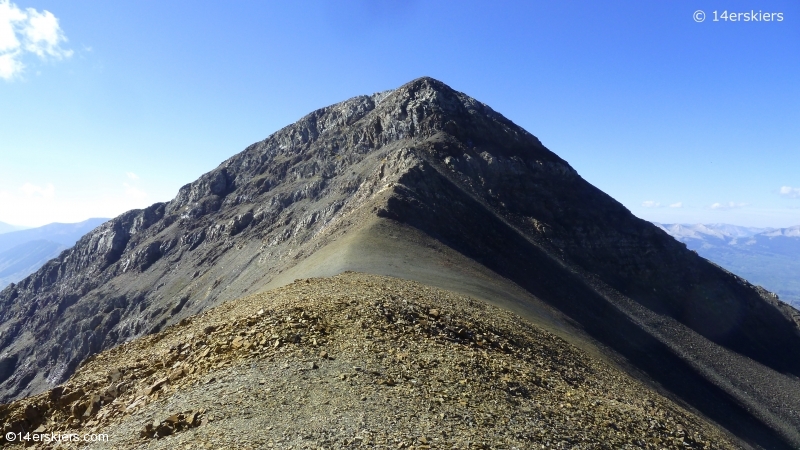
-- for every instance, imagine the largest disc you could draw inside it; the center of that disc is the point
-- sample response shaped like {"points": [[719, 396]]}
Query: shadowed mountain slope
{"points": [[426, 183]]}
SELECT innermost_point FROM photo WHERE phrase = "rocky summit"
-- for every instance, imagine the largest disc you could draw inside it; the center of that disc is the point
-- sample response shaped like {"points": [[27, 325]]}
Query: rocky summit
{"points": [[420, 183]]}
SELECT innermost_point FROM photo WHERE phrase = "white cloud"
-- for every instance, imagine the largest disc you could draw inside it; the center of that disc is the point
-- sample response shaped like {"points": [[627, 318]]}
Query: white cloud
{"points": [[28, 203], [9, 65], [727, 206], [10, 16], [132, 176], [39, 204], [28, 31], [43, 35], [676, 205], [791, 192], [32, 190], [134, 193], [651, 204]]}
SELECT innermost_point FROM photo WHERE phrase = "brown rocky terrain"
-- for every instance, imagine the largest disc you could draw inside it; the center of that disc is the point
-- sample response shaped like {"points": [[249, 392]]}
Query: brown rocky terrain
{"points": [[358, 361], [422, 183]]}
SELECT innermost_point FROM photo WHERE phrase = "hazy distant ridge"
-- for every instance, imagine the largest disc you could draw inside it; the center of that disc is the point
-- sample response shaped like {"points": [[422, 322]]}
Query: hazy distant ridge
{"points": [[7, 228], [769, 257], [25, 251]]}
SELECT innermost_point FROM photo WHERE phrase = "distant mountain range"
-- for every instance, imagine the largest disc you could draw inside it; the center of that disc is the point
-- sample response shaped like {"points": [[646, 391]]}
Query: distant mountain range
{"points": [[7, 228], [769, 257], [25, 251]]}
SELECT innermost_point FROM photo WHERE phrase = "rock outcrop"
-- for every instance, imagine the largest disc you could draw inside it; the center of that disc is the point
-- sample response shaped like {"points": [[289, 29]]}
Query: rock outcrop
{"points": [[431, 159]]}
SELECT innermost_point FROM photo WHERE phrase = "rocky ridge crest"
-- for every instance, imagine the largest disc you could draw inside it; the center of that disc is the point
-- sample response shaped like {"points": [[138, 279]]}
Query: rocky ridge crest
{"points": [[431, 369]]}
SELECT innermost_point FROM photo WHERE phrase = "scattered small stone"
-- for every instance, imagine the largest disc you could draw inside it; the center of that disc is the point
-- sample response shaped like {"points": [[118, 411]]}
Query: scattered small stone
{"points": [[454, 374], [114, 375], [172, 424]]}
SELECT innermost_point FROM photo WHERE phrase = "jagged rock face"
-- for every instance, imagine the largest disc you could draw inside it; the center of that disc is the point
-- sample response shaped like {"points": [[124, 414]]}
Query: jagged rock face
{"points": [[423, 155], [257, 212]]}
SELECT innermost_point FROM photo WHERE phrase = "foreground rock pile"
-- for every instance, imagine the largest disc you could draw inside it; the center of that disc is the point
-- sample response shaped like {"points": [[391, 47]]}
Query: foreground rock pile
{"points": [[357, 360]]}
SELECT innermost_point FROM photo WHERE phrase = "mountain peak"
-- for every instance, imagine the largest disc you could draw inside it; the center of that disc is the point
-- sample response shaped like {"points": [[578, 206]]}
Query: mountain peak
{"points": [[425, 183], [426, 83]]}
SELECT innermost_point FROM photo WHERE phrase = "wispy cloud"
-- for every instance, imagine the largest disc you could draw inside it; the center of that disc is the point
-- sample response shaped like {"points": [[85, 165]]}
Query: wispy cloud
{"points": [[28, 32], [651, 204], [791, 192], [32, 190], [38, 204], [727, 206], [676, 205], [134, 193], [132, 176], [20, 204]]}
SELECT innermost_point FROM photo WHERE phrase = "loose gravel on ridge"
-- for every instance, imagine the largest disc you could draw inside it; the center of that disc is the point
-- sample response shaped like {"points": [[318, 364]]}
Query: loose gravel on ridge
{"points": [[358, 361]]}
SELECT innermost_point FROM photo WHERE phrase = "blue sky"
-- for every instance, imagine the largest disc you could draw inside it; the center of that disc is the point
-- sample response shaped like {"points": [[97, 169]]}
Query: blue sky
{"points": [[108, 106]]}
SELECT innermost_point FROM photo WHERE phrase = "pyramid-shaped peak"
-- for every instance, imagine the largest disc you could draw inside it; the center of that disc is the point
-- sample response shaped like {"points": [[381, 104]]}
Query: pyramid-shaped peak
{"points": [[417, 88], [427, 83], [433, 91], [424, 108]]}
